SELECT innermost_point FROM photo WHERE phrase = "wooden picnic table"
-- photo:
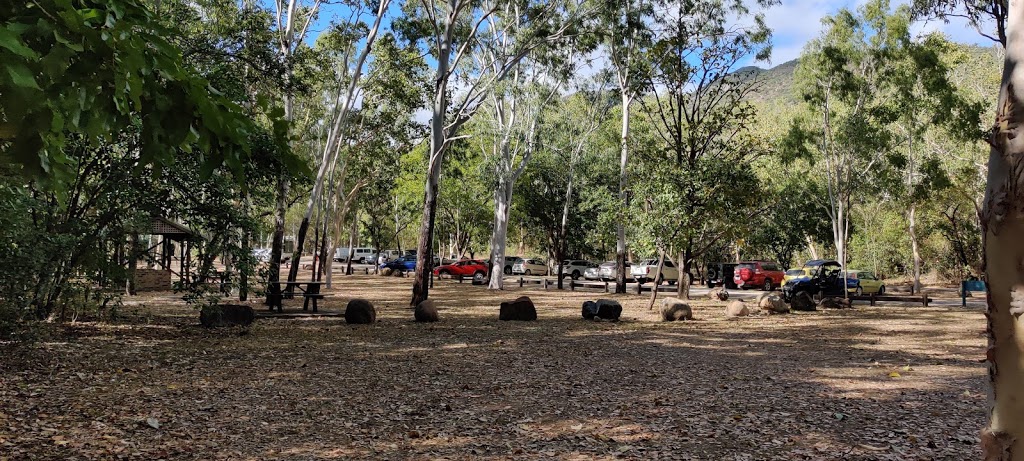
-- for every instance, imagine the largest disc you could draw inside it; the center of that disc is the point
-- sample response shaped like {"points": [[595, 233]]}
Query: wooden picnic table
{"points": [[310, 290]]}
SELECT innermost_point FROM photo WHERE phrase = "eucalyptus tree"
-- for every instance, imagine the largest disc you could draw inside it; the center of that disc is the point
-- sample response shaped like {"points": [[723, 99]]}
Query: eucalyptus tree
{"points": [[839, 78], [1002, 221], [701, 118], [922, 97], [452, 31], [355, 40], [625, 36]]}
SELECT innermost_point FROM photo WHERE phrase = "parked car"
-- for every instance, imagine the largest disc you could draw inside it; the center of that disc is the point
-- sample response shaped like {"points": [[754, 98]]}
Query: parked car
{"points": [[464, 268], [572, 268], [608, 273], [791, 274], [825, 280], [720, 274], [758, 274], [387, 255], [645, 270], [360, 255], [593, 272], [865, 282], [404, 263], [510, 261], [530, 267]]}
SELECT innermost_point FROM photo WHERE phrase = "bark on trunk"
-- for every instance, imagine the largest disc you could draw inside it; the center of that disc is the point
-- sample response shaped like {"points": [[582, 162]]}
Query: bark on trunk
{"points": [[657, 277], [620, 227], [1002, 220], [502, 207], [277, 247], [915, 251], [684, 265], [352, 242]]}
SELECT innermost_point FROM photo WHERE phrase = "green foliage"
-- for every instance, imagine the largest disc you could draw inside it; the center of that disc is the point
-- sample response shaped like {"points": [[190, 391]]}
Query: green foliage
{"points": [[95, 69]]}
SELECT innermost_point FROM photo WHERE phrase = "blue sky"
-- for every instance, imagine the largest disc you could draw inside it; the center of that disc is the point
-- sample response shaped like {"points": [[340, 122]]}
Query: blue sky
{"points": [[795, 22]]}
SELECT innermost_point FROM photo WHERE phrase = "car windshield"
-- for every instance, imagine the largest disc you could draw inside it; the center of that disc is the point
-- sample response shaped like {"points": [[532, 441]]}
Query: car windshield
{"points": [[795, 272]]}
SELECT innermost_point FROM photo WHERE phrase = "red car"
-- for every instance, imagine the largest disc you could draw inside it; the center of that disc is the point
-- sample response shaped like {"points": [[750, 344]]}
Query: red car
{"points": [[464, 268], [765, 275]]}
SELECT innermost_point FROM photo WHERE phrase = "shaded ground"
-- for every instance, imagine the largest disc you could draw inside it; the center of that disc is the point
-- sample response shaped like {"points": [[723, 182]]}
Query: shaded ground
{"points": [[871, 383]]}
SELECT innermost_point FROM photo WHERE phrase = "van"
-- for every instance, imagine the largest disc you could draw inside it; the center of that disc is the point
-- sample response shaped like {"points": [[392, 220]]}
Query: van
{"points": [[360, 255]]}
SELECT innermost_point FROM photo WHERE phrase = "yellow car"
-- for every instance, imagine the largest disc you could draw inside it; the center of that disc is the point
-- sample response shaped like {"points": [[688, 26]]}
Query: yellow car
{"points": [[867, 282], [795, 274]]}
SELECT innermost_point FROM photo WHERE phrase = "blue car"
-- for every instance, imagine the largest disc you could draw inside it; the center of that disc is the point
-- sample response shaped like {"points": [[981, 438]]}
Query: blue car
{"points": [[404, 263]]}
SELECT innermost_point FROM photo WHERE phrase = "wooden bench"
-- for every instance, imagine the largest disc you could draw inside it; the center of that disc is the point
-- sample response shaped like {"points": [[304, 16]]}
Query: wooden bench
{"points": [[311, 297], [543, 282], [967, 286], [587, 284], [923, 299], [640, 288]]}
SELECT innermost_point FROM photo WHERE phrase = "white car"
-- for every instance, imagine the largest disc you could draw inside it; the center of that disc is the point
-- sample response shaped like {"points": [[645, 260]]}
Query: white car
{"points": [[607, 270], [645, 271], [530, 267], [574, 268]]}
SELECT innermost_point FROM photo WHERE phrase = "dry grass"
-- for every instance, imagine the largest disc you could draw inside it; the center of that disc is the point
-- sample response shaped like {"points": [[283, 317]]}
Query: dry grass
{"points": [[870, 383]]}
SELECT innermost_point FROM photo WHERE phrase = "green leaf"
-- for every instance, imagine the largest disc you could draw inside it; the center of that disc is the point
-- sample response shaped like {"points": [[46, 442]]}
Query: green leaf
{"points": [[22, 76], [13, 43]]}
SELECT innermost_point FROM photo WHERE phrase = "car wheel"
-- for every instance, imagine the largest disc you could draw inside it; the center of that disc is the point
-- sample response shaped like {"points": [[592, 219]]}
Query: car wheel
{"points": [[575, 275], [528, 272], [711, 284], [444, 274], [508, 270], [768, 285], [881, 289], [859, 291]]}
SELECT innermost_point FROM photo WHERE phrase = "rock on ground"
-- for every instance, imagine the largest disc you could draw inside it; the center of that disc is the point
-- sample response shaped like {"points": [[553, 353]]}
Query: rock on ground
{"points": [[736, 309], [609, 309], [773, 304], [834, 303], [520, 309], [589, 310], [386, 272], [718, 294], [802, 302], [426, 311], [360, 311], [673, 309], [226, 315]]}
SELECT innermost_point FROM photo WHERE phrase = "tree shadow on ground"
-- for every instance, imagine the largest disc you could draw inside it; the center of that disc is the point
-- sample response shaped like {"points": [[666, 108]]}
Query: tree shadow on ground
{"points": [[804, 386]]}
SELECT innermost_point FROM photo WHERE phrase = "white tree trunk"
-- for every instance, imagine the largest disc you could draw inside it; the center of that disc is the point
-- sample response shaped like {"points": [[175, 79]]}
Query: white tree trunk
{"points": [[620, 227], [1002, 221], [915, 251], [499, 236]]}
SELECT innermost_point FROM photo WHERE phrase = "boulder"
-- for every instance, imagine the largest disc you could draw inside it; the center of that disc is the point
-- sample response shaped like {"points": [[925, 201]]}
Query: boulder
{"points": [[426, 311], [736, 309], [386, 272], [226, 315], [589, 310], [773, 304], [520, 309], [673, 309], [398, 273], [360, 311], [609, 309], [802, 302], [718, 294], [834, 303]]}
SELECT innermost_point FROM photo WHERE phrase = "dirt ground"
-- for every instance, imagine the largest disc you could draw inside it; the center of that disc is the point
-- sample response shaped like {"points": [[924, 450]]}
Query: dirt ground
{"points": [[872, 383]]}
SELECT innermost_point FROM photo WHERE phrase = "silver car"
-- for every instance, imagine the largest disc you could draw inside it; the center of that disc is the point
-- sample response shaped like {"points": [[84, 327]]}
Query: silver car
{"points": [[607, 270], [572, 268], [593, 272]]}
